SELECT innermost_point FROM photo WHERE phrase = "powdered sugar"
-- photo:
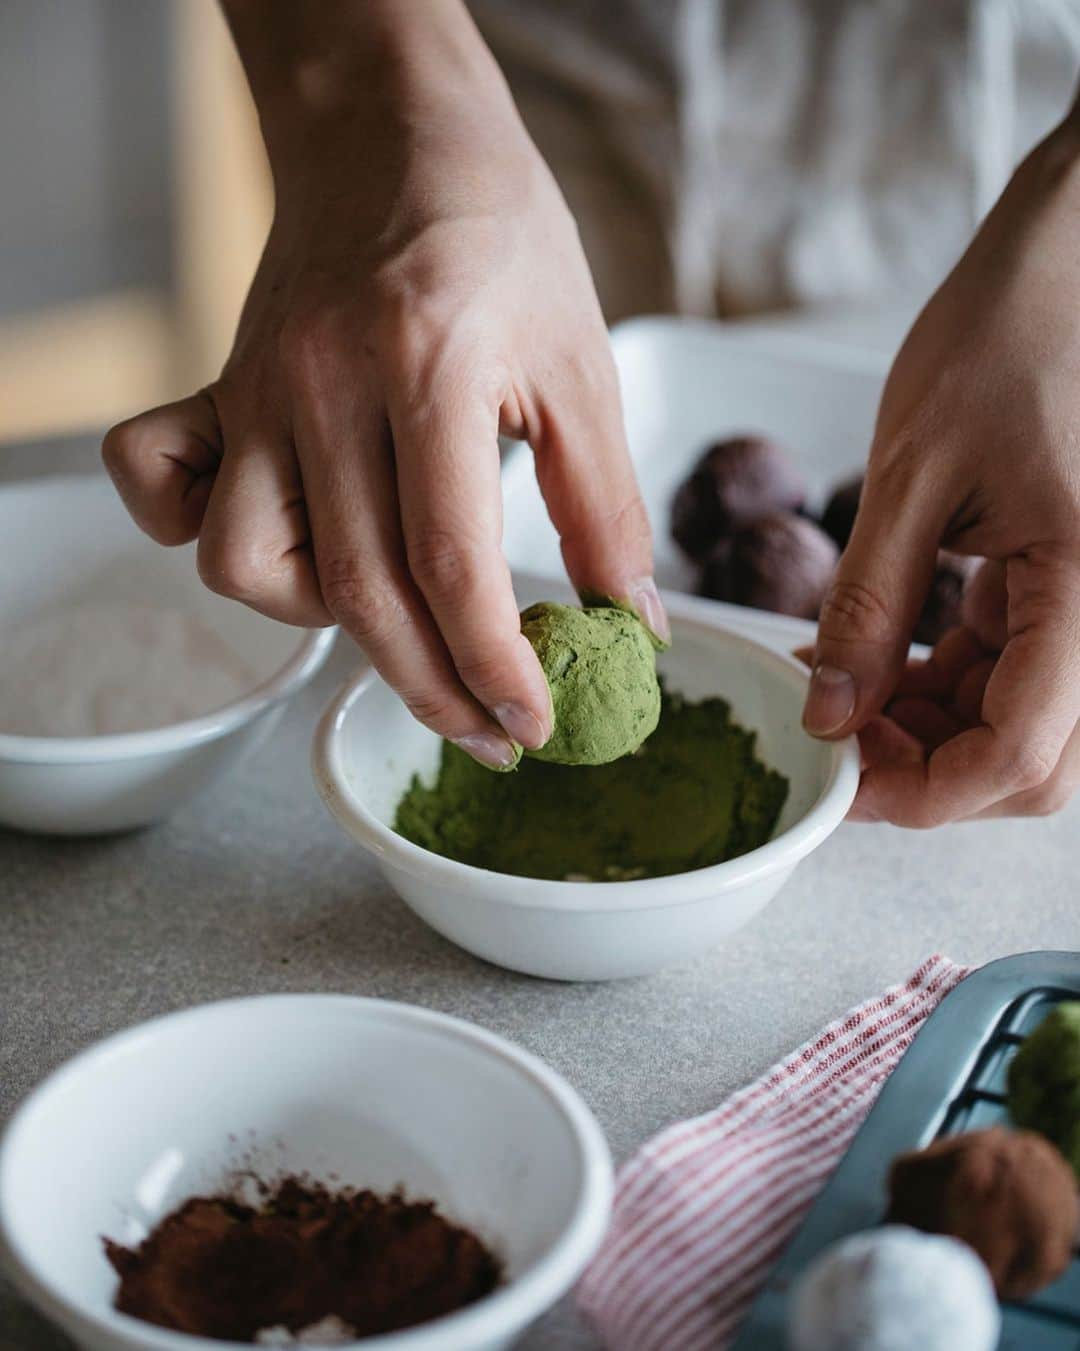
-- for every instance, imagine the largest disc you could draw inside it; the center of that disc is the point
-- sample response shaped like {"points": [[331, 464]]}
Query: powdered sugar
{"points": [[114, 666]]}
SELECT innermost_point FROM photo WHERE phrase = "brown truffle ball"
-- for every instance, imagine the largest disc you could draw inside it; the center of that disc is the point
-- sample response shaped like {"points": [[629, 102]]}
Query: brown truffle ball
{"points": [[782, 563], [1009, 1194], [941, 611], [942, 608], [733, 483], [838, 518]]}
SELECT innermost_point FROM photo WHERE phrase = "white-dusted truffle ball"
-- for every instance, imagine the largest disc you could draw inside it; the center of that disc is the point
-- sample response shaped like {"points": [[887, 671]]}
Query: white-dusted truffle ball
{"points": [[895, 1289]]}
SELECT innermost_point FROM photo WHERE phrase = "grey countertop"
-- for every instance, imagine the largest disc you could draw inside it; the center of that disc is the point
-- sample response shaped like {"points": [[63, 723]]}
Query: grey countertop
{"points": [[253, 888]]}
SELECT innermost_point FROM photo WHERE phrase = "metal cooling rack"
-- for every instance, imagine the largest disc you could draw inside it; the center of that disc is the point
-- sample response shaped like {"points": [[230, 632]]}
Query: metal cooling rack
{"points": [[952, 1079]]}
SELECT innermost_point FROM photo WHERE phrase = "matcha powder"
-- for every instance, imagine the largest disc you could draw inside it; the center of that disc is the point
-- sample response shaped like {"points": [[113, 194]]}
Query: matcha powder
{"points": [[693, 795]]}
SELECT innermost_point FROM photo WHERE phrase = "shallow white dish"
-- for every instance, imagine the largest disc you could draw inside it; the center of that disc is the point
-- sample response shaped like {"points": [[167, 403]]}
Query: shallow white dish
{"points": [[68, 540], [686, 382], [376, 1093], [367, 748]]}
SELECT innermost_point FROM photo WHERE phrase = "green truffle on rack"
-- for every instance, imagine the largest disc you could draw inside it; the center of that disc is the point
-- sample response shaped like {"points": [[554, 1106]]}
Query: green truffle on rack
{"points": [[600, 665], [1044, 1081]]}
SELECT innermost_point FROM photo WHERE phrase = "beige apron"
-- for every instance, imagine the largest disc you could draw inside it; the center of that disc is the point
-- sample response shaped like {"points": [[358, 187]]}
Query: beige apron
{"points": [[733, 156]]}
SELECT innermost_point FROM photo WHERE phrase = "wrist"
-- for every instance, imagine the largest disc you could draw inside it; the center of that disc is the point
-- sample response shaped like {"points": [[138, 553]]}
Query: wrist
{"points": [[1056, 159], [359, 71], [1072, 117], [1044, 191]]}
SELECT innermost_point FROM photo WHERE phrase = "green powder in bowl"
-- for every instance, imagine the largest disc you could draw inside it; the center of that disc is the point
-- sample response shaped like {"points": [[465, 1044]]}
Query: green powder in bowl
{"points": [[695, 794]]}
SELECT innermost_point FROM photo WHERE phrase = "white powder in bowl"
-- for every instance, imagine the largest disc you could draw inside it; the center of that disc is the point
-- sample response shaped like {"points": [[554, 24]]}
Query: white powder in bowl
{"points": [[329, 1331], [114, 666]]}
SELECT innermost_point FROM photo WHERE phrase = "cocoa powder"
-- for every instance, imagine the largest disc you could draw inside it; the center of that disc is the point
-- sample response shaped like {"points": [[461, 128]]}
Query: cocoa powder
{"points": [[218, 1267]]}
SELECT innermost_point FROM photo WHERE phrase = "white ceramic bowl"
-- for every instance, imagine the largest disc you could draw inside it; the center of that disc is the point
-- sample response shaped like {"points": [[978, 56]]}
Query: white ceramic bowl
{"points": [[367, 749], [378, 1094], [69, 541]]}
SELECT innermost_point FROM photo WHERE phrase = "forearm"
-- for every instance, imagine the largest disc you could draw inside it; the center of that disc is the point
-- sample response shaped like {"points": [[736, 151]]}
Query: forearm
{"points": [[316, 69], [1072, 117], [1053, 167], [1034, 221]]}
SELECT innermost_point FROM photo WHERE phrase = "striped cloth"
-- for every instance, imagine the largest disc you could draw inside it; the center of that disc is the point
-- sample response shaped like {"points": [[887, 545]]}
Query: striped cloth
{"points": [[706, 1207]]}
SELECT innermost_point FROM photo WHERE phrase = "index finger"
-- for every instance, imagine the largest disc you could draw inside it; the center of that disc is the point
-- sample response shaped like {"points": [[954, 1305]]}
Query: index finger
{"points": [[1029, 710], [587, 478], [450, 493]]}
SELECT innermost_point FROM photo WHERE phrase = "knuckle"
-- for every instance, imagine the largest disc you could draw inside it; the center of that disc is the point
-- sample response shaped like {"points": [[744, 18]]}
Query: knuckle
{"points": [[925, 810], [364, 598], [430, 707], [428, 319], [852, 610], [310, 338], [1049, 799], [211, 566], [929, 816], [445, 565], [118, 448], [1031, 765], [414, 324], [487, 672], [624, 526], [903, 477], [631, 521], [591, 371], [896, 464], [168, 528], [231, 566]]}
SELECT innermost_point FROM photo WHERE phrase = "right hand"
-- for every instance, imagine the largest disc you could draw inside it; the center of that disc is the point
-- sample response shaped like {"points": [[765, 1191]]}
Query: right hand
{"points": [[423, 289], [975, 450]]}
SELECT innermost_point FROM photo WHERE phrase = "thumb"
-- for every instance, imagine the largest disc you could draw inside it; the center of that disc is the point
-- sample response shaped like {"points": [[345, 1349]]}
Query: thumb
{"points": [[873, 603], [163, 464]]}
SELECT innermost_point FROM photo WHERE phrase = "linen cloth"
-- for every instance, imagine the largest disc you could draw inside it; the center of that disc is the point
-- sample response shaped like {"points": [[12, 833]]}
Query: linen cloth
{"points": [[706, 1207], [732, 156]]}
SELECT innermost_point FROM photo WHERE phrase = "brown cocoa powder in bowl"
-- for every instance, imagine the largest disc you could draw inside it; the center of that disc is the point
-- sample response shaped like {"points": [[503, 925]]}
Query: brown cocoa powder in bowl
{"points": [[218, 1267]]}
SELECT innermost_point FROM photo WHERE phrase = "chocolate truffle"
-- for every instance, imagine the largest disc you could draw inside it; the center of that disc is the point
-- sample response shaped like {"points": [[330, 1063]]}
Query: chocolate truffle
{"points": [[1008, 1194], [782, 563], [941, 610], [1044, 1081], [733, 483], [838, 518], [894, 1289]]}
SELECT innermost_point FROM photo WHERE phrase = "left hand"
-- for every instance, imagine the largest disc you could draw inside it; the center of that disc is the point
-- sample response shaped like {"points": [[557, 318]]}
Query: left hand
{"points": [[977, 449]]}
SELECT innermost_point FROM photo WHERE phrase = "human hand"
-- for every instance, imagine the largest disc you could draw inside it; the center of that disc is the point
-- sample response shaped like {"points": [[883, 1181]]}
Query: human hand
{"points": [[422, 290], [938, 699], [977, 449]]}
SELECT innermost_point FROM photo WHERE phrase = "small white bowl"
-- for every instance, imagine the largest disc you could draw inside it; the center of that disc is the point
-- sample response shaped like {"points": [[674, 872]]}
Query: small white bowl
{"points": [[69, 541], [370, 1093], [367, 748]]}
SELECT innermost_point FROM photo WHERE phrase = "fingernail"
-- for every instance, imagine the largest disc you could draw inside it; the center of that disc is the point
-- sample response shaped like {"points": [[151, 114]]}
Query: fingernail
{"points": [[831, 700], [521, 725], [490, 749], [645, 599]]}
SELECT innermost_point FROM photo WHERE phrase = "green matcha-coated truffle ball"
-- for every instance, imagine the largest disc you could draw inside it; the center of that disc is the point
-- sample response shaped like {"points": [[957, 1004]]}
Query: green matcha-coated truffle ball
{"points": [[601, 668], [1044, 1081]]}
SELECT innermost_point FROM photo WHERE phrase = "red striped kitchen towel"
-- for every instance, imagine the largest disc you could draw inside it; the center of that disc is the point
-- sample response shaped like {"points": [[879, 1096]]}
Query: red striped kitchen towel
{"points": [[705, 1208]]}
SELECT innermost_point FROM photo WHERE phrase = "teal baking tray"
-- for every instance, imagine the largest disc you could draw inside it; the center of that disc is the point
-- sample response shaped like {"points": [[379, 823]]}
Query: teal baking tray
{"points": [[952, 1079]]}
